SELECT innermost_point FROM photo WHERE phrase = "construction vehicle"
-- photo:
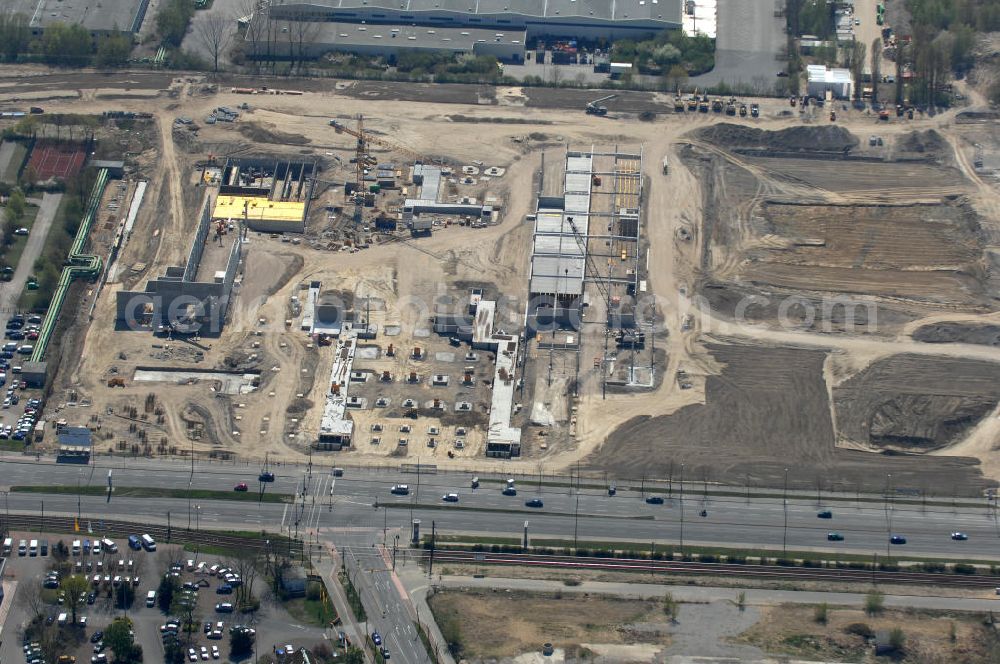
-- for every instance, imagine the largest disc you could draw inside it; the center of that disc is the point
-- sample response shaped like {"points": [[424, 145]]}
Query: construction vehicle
{"points": [[731, 107], [883, 115], [678, 104], [792, 101], [594, 108], [703, 106], [693, 101], [754, 110], [833, 116], [717, 105], [743, 110]]}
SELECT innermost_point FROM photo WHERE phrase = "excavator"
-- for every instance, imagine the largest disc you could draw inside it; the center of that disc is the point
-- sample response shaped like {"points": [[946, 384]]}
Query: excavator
{"points": [[594, 107]]}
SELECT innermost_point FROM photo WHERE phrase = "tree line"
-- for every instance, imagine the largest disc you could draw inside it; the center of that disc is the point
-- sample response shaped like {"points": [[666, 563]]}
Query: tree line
{"points": [[61, 44]]}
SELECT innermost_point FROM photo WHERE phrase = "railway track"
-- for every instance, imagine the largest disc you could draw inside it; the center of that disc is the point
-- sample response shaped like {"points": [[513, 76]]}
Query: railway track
{"points": [[27, 523], [716, 569]]}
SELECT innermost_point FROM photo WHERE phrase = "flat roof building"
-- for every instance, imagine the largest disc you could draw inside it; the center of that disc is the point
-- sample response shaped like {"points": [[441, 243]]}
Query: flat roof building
{"points": [[822, 80], [583, 19], [100, 18]]}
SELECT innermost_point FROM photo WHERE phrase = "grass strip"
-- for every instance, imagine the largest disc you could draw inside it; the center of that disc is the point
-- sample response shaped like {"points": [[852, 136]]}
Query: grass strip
{"points": [[353, 598], [157, 492], [642, 550], [500, 510]]}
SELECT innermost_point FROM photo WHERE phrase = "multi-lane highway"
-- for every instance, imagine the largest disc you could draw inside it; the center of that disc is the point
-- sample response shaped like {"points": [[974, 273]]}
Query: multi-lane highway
{"points": [[348, 502]]}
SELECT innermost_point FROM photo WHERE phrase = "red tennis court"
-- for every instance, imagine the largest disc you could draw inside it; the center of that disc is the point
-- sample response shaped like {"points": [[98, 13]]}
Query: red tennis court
{"points": [[60, 161]]}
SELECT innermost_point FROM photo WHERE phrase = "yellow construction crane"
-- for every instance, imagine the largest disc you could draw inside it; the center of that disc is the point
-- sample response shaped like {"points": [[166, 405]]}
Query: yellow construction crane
{"points": [[363, 157]]}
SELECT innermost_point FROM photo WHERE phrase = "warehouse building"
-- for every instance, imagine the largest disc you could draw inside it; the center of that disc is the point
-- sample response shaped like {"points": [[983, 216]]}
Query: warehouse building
{"points": [[268, 195], [579, 19], [835, 82], [101, 19], [389, 41]]}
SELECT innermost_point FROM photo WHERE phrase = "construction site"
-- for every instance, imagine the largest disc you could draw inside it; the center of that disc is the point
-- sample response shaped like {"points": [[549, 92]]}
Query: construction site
{"points": [[485, 277]]}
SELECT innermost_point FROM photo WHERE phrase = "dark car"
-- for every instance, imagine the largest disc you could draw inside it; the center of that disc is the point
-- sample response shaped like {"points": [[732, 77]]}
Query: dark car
{"points": [[612, 490], [224, 589], [825, 514], [533, 502], [385, 653], [897, 539], [266, 476], [242, 486], [961, 537], [835, 537], [376, 638], [96, 636], [91, 598], [509, 491], [654, 500]]}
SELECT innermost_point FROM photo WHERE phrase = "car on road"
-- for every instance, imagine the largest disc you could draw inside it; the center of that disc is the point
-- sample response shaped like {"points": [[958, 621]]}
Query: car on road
{"points": [[21, 231], [961, 537], [824, 514], [612, 490], [782, 74], [835, 537], [509, 491], [385, 653], [654, 500], [450, 497], [224, 607], [400, 490], [376, 638], [897, 539], [266, 476], [242, 486], [533, 502]]}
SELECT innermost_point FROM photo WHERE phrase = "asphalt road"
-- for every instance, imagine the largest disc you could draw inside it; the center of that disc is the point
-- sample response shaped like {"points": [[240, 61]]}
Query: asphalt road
{"points": [[748, 40], [730, 521]]}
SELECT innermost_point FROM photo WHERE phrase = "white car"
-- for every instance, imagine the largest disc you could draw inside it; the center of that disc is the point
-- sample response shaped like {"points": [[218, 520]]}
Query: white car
{"points": [[215, 652], [192, 655], [204, 653]]}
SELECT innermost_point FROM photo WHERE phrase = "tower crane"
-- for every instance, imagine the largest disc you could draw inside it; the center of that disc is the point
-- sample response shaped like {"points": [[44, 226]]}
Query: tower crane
{"points": [[363, 157]]}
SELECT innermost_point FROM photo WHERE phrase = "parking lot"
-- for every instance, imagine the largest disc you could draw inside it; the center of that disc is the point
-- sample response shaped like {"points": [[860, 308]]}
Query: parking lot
{"points": [[205, 598]]}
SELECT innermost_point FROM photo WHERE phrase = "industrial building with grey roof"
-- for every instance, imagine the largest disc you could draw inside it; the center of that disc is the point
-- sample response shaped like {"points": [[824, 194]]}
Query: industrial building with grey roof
{"points": [[99, 17], [581, 19]]}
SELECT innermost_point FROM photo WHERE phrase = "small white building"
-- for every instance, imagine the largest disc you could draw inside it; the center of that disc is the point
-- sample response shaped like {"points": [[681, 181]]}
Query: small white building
{"points": [[822, 80]]}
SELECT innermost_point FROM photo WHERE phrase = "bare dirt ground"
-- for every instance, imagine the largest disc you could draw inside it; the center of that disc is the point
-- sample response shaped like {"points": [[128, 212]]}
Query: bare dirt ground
{"points": [[507, 624], [721, 225], [929, 638]]}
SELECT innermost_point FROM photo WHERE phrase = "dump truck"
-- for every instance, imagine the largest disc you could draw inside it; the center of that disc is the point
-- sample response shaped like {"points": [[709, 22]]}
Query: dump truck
{"points": [[754, 110]]}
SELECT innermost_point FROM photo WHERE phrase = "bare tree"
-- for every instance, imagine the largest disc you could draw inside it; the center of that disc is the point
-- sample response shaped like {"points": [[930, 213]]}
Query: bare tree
{"points": [[214, 33], [32, 594], [245, 563], [876, 66], [247, 11], [305, 32]]}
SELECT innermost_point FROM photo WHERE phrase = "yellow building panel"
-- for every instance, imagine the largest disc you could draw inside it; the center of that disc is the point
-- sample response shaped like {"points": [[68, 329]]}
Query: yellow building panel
{"points": [[258, 208]]}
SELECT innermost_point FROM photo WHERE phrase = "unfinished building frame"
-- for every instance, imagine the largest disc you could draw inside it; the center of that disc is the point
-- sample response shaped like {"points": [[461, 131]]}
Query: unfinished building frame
{"points": [[268, 195]]}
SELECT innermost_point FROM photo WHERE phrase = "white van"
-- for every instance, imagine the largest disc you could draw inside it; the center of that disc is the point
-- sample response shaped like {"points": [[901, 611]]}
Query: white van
{"points": [[75, 550], [8, 546], [151, 599], [148, 543], [33, 548], [109, 545]]}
